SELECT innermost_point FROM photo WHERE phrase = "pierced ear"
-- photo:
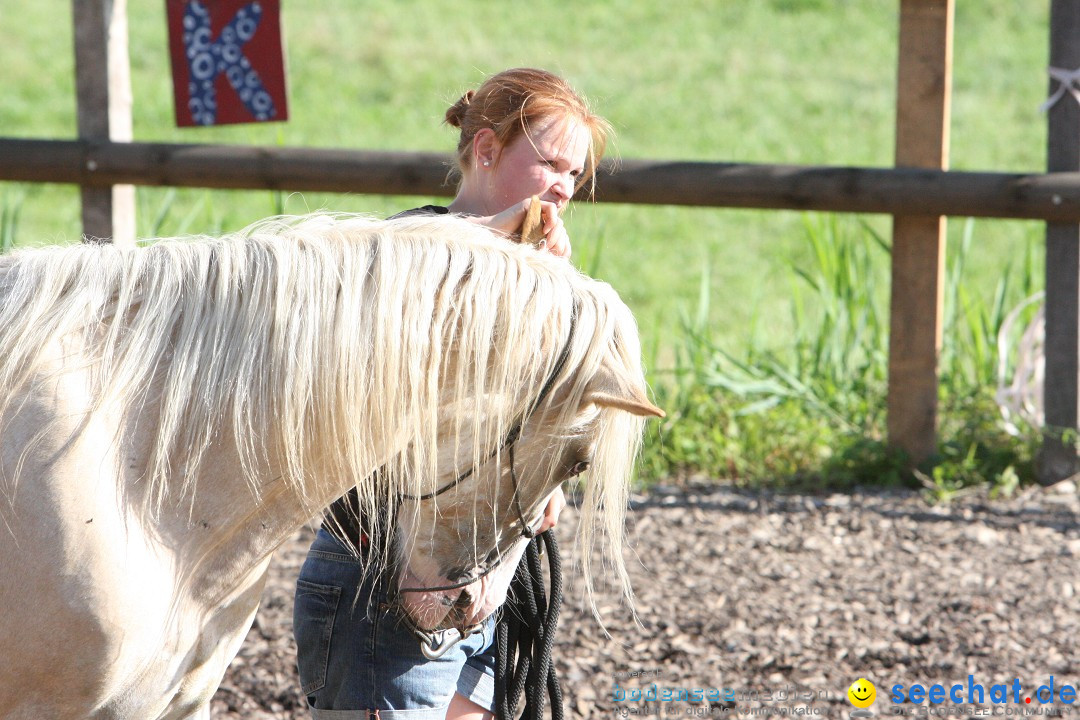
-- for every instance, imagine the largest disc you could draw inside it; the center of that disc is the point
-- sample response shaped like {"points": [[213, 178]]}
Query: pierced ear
{"points": [[607, 390], [485, 145]]}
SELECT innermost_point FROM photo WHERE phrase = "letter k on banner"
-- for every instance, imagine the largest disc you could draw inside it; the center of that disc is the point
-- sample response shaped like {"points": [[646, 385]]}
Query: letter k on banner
{"points": [[227, 61]]}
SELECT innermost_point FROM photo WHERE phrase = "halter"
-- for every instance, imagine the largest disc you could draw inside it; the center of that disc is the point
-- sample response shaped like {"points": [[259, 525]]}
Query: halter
{"points": [[435, 643]]}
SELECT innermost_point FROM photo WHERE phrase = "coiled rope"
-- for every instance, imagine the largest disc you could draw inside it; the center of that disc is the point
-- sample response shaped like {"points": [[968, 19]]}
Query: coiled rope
{"points": [[525, 636]]}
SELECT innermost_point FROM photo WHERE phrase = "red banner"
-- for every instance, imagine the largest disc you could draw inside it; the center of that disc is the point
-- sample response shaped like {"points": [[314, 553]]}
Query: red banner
{"points": [[227, 61]]}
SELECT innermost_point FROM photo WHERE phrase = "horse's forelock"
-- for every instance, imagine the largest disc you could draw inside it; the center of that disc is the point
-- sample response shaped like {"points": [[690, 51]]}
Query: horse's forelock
{"points": [[611, 339]]}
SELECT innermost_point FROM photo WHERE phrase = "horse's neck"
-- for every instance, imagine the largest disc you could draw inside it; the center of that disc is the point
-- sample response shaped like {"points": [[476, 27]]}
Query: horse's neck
{"points": [[226, 529], [225, 525]]}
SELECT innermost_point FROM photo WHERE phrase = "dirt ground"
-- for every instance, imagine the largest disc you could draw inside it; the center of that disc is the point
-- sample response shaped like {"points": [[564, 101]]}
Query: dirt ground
{"points": [[773, 605]]}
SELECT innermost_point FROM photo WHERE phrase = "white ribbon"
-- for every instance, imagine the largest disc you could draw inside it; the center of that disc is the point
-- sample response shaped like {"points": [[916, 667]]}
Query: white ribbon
{"points": [[1068, 80]]}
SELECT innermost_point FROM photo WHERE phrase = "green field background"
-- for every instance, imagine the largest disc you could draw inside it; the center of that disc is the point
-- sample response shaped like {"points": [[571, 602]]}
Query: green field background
{"points": [[784, 81]]}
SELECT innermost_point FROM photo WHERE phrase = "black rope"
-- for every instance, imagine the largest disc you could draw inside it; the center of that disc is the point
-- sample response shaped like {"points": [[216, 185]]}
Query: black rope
{"points": [[525, 636]]}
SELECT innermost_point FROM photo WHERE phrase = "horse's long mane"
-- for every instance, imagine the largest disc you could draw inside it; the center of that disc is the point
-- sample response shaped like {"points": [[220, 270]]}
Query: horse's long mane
{"points": [[301, 331]]}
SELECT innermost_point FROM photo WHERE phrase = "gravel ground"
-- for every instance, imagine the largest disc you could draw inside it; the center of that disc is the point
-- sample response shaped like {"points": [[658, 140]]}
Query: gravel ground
{"points": [[775, 604]]}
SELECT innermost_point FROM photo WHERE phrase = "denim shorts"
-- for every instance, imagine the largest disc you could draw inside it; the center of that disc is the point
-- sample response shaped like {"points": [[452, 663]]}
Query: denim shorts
{"points": [[355, 655]]}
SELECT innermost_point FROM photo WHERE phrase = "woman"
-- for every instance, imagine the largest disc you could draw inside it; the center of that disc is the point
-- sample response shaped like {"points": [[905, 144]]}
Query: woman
{"points": [[523, 133]]}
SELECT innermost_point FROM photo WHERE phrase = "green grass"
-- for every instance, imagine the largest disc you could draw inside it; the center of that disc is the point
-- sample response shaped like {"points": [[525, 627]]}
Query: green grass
{"points": [[812, 414], [788, 81]]}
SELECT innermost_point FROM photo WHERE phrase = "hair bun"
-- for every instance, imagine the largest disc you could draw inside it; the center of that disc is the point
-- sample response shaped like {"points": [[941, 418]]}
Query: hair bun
{"points": [[455, 116]]}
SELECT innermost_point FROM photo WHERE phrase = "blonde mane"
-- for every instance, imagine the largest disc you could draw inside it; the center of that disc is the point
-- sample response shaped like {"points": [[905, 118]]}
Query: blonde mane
{"points": [[325, 336]]}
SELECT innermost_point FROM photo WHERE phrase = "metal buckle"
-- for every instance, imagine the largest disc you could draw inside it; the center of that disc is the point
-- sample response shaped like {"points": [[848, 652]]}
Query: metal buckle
{"points": [[435, 643]]}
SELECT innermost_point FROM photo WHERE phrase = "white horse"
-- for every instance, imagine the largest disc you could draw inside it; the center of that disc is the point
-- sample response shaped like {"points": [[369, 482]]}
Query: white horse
{"points": [[170, 415]]}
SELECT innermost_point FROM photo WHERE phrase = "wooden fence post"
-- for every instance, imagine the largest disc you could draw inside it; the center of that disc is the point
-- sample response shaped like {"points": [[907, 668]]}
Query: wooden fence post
{"points": [[924, 81], [1058, 459], [103, 90]]}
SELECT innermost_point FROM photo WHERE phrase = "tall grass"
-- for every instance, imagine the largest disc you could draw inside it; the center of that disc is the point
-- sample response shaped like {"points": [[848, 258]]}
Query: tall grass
{"points": [[808, 410]]}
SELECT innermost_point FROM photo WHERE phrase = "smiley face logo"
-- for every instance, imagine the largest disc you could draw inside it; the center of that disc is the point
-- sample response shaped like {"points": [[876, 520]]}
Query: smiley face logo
{"points": [[862, 693]]}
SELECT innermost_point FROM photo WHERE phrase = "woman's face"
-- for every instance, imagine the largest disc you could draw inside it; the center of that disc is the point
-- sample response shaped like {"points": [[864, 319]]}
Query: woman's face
{"points": [[546, 161]]}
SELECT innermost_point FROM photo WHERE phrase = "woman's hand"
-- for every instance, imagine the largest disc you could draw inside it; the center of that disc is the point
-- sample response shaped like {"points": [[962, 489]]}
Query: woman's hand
{"points": [[555, 506], [556, 241]]}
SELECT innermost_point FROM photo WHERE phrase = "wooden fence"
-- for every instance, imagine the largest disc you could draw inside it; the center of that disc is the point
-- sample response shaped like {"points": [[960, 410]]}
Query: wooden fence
{"points": [[893, 191], [919, 192]]}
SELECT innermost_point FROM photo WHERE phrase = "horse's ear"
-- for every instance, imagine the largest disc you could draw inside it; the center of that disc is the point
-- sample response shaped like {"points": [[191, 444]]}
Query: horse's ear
{"points": [[605, 390], [636, 405]]}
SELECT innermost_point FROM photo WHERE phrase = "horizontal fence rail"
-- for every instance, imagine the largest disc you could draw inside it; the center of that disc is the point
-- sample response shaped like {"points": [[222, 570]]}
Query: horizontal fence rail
{"points": [[1054, 197]]}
